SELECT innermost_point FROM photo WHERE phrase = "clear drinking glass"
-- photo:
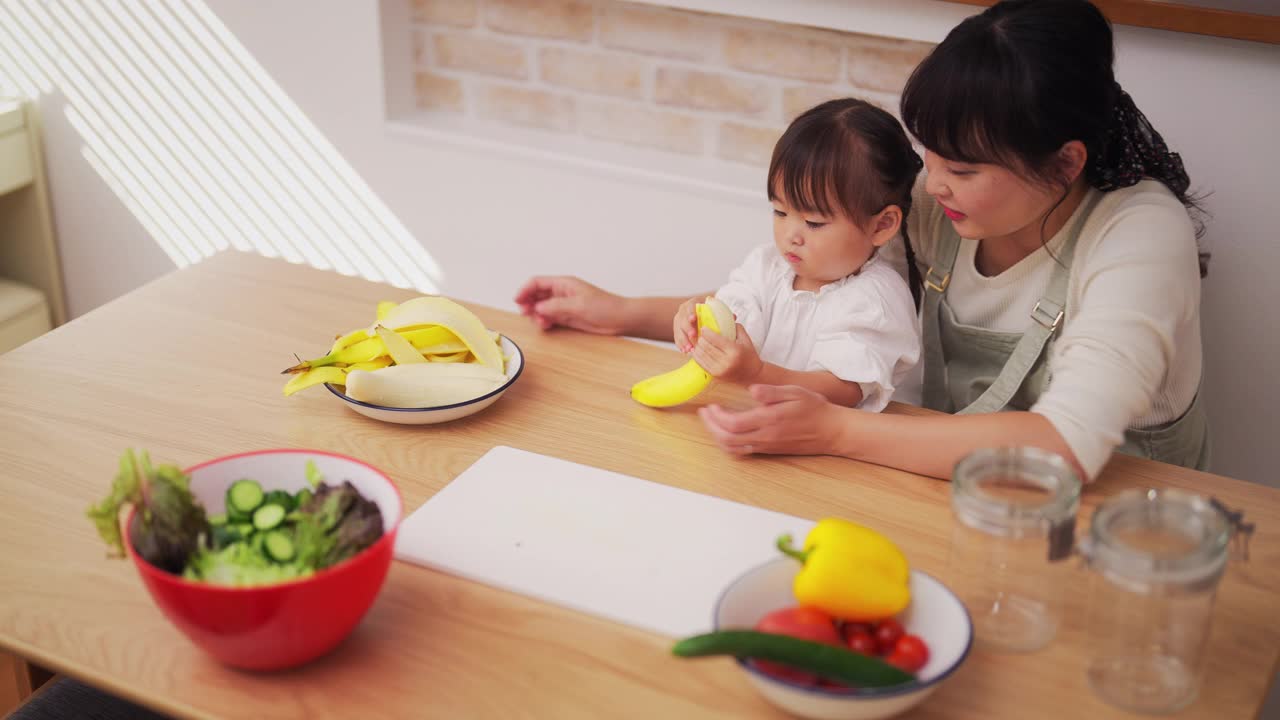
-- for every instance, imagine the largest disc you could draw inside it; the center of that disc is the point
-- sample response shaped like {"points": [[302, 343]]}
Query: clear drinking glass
{"points": [[1156, 557], [1015, 511]]}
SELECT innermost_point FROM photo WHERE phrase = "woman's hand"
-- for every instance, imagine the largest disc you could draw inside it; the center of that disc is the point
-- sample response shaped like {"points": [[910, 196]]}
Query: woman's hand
{"points": [[733, 360], [684, 326], [574, 303], [789, 420]]}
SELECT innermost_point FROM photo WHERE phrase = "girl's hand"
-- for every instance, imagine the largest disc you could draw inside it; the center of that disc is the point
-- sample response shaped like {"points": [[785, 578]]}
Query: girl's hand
{"points": [[732, 360], [789, 420], [571, 302], [684, 326]]}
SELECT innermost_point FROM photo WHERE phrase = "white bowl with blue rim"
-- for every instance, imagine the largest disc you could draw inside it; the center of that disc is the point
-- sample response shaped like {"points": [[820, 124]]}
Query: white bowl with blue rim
{"points": [[441, 413], [935, 614]]}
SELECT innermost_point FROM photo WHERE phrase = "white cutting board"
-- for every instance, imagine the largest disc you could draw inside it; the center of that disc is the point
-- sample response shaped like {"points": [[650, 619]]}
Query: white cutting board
{"points": [[625, 549]]}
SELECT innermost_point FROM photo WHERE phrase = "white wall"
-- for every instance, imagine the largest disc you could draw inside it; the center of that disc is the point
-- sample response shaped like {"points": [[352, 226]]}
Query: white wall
{"points": [[490, 219]]}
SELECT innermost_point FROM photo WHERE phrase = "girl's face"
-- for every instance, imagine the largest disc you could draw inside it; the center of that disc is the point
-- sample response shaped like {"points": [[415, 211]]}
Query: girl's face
{"points": [[820, 249], [985, 201]]}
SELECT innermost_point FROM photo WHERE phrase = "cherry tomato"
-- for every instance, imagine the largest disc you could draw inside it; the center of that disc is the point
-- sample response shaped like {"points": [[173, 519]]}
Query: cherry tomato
{"points": [[861, 641], [800, 622], [848, 628], [887, 633], [909, 654]]}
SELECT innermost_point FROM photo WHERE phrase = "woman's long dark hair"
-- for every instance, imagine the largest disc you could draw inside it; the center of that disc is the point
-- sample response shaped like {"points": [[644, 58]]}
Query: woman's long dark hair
{"points": [[851, 158], [1012, 85]]}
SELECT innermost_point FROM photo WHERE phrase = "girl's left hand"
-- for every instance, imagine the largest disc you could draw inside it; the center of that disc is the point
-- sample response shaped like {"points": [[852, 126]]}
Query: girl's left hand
{"points": [[732, 360]]}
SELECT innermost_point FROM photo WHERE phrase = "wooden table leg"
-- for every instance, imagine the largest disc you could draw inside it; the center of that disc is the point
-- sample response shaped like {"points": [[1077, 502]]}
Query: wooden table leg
{"points": [[19, 682]]}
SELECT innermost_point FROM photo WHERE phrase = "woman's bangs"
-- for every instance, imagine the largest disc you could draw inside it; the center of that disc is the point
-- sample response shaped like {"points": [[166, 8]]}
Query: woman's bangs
{"points": [[958, 110]]}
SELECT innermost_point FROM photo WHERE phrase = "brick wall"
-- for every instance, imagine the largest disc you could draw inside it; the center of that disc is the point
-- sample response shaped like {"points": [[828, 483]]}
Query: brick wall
{"points": [[674, 81]]}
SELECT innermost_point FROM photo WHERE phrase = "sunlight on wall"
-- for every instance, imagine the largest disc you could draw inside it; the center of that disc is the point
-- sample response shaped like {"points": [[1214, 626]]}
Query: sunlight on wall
{"points": [[198, 142]]}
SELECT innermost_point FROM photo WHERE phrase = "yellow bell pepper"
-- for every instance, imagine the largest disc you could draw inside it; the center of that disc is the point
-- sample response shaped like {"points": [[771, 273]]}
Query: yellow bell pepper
{"points": [[850, 572]]}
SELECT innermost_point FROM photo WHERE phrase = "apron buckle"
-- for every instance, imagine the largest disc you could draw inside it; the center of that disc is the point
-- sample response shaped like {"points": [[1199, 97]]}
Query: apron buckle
{"points": [[935, 282], [1050, 317]]}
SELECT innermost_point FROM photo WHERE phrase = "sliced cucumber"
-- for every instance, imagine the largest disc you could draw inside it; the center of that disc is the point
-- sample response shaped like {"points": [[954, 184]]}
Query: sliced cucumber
{"points": [[243, 497], [268, 516], [279, 546], [217, 519], [281, 498]]}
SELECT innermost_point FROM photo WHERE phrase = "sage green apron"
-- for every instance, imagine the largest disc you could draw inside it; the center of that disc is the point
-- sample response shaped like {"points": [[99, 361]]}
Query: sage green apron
{"points": [[972, 370]]}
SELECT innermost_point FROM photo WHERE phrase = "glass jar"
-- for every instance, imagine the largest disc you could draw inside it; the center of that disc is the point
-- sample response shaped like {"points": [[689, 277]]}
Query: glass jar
{"points": [[1156, 557], [1015, 511]]}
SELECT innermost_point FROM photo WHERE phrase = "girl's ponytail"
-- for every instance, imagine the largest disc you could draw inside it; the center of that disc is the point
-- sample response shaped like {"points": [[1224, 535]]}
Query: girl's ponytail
{"points": [[914, 281]]}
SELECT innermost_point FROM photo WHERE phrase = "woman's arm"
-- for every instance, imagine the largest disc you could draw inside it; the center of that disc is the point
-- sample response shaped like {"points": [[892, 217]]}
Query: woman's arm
{"points": [[572, 302], [650, 317], [796, 421]]}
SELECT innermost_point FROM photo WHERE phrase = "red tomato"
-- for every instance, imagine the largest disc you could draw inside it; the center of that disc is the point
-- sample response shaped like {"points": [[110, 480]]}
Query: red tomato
{"points": [[861, 641], [909, 654], [800, 622], [887, 633]]}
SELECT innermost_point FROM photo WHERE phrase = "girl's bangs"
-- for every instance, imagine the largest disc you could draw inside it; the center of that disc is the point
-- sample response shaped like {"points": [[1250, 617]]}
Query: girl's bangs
{"points": [[804, 169]]}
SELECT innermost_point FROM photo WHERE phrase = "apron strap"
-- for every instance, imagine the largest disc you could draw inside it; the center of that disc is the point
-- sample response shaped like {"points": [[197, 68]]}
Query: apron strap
{"points": [[936, 280], [1047, 316]]}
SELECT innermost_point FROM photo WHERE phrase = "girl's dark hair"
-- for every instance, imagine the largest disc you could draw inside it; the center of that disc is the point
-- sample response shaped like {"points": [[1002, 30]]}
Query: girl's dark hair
{"points": [[851, 158], [1012, 85]]}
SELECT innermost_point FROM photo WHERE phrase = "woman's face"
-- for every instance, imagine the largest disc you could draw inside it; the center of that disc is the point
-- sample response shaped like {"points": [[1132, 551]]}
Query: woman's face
{"points": [[986, 201]]}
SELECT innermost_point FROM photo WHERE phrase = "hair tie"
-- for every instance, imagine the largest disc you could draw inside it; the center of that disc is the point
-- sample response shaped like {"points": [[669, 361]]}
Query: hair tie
{"points": [[1133, 150]]}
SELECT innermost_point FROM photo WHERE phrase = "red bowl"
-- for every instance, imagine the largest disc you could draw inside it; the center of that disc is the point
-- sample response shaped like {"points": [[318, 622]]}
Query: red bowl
{"points": [[271, 627]]}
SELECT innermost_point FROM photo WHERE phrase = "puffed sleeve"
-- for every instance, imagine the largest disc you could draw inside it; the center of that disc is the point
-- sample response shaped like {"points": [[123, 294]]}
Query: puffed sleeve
{"points": [[748, 290], [868, 333]]}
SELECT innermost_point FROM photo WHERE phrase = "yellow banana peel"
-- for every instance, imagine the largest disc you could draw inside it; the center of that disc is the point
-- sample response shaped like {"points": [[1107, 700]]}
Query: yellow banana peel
{"points": [[375, 347], [347, 340], [315, 376], [436, 310], [455, 357], [402, 351]]}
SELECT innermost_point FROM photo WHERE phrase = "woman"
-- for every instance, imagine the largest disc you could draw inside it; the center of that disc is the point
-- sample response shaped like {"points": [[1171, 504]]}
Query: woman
{"points": [[1059, 261]]}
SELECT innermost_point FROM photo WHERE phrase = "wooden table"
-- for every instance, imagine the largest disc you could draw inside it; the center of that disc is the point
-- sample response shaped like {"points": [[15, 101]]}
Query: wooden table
{"points": [[187, 367]]}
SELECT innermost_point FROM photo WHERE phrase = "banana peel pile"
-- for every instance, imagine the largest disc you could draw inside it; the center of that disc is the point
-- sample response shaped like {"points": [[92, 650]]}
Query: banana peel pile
{"points": [[425, 352]]}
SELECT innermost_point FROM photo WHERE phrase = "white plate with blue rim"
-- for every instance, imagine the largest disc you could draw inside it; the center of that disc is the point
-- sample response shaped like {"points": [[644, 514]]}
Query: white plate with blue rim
{"points": [[441, 413]]}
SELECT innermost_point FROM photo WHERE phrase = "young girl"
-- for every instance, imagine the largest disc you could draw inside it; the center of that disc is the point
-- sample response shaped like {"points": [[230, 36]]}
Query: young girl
{"points": [[817, 308]]}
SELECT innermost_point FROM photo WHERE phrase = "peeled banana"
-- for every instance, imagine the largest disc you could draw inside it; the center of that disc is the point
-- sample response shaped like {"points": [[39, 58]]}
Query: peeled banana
{"points": [[423, 384], [686, 382]]}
